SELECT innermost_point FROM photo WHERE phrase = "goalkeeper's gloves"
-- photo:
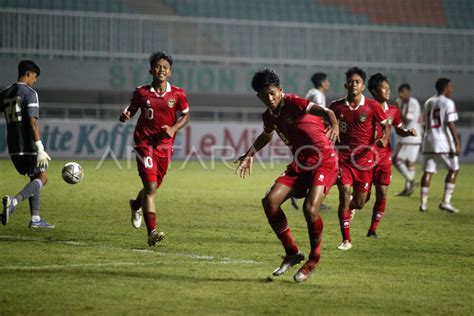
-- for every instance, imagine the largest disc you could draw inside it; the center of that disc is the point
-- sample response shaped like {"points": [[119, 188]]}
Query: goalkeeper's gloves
{"points": [[41, 157]]}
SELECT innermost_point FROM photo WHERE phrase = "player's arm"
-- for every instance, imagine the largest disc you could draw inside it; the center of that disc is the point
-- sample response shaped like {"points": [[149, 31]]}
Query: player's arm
{"points": [[42, 157], [457, 141], [403, 132], [180, 123], [132, 108], [382, 142], [246, 160], [332, 132]]}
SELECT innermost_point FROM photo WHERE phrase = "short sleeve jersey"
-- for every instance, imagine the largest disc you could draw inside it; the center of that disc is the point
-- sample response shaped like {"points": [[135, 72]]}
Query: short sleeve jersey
{"points": [[438, 111], [157, 110], [303, 133], [19, 102], [411, 116], [393, 119], [316, 96], [357, 125]]}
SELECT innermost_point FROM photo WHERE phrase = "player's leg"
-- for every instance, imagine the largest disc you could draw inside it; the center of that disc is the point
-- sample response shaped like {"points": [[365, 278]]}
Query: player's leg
{"points": [[449, 183], [149, 212], [378, 209], [399, 163], [136, 209], [429, 168], [35, 202], [272, 202], [311, 210], [344, 214]]}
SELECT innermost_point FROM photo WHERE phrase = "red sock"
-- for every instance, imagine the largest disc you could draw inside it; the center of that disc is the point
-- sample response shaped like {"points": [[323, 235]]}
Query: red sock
{"points": [[315, 230], [377, 214], [345, 223], [279, 224], [150, 221]]}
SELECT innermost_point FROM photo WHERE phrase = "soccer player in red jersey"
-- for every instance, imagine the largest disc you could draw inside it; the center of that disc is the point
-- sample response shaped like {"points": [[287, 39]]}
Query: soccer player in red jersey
{"points": [[379, 87], [311, 173], [358, 117], [159, 104]]}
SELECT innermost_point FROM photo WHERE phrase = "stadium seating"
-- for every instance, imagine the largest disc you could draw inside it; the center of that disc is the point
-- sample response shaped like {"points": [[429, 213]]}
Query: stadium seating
{"points": [[424, 13], [67, 5]]}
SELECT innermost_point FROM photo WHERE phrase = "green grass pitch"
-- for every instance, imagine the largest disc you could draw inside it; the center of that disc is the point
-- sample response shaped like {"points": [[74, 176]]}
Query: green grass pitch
{"points": [[220, 251]]}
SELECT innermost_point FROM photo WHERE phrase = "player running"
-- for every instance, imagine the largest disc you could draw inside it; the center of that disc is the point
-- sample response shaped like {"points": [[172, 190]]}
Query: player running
{"points": [[20, 104], [379, 87], [441, 143], [159, 104], [311, 173], [358, 118], [408, 148]]}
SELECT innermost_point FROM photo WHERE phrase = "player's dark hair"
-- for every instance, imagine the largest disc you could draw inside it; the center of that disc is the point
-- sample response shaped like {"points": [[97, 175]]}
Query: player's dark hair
{"points": [[263, 78], [28, 65], [441, 84], [160, 55], [318, 78], [355, 71], [404, 86], [375, 81]]}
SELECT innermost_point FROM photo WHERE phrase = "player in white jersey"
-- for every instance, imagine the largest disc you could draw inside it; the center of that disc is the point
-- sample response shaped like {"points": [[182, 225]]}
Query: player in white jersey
{"points": [[408, 148], [440, 143], [321, 85]]}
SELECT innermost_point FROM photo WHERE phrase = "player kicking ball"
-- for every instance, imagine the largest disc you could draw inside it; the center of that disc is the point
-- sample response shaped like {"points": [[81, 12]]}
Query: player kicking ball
{"points": [[311, 173], [159, 104]]}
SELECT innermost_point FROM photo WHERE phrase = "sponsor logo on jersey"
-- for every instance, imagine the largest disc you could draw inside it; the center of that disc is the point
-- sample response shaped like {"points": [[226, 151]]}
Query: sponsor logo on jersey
{"points": [[363, 117], [171, 103]]}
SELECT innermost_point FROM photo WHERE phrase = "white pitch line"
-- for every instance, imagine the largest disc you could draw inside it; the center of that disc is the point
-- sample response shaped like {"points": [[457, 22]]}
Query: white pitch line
{"points": [[199, 258], [71, 266]]}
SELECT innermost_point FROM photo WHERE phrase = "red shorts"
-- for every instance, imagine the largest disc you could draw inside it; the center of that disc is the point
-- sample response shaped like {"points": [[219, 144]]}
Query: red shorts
{"points": [[358, 174], [383, 172], [151, 167], [301, 180]]}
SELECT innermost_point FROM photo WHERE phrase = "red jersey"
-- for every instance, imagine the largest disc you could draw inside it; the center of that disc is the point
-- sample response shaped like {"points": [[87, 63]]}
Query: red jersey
{"points": [[157, 110], [357, 125], [303, 133], [393, 119]]}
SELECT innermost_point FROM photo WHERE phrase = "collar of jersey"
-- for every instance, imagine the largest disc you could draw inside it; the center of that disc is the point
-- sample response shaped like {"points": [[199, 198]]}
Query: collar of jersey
{"points": [[361, 103], [168, 89], [385, 106]]}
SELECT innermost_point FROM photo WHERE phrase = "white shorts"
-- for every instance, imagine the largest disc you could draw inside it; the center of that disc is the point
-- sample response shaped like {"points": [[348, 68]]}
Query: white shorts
{"points": [[430, 161], [407, 152]]}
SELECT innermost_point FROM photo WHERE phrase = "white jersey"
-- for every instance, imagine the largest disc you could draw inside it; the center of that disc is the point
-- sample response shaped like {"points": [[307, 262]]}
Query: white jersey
{"points": [[438, 111], [316, 96], [411, 118]]}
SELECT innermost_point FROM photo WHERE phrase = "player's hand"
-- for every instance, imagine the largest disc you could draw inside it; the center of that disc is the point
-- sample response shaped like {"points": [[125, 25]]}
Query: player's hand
{"points": [[124, 116], [332, 132], [169, 130], [42, 159], [245, 166], [412, 132], [458, 149], [382, 142]]}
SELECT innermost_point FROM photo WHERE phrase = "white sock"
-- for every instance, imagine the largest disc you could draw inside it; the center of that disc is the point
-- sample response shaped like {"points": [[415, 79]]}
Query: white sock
{"points": [[35, 218], [424, 196], [448, 192], [402, 167], [411, 173]]}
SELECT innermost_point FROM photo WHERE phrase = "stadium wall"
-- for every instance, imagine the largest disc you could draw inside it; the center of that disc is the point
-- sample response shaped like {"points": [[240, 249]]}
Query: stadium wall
{"points": [[199, 140]]}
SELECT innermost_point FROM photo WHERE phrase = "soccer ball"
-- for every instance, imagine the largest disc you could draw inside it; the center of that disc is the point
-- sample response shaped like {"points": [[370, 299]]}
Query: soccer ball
{"points": [[72, 173]]}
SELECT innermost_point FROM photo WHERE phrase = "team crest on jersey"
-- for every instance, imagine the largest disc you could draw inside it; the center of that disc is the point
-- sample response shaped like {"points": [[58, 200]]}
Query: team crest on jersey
{"points": [[171, 103], [389, 120], [363, 117]]}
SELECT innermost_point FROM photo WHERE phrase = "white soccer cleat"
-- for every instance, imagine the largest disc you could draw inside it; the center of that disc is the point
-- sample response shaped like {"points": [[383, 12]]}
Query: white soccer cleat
{"points": [[137, 216], [345, 245], [353, 213], [448, 207], [155, 237], [288, 262]]}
